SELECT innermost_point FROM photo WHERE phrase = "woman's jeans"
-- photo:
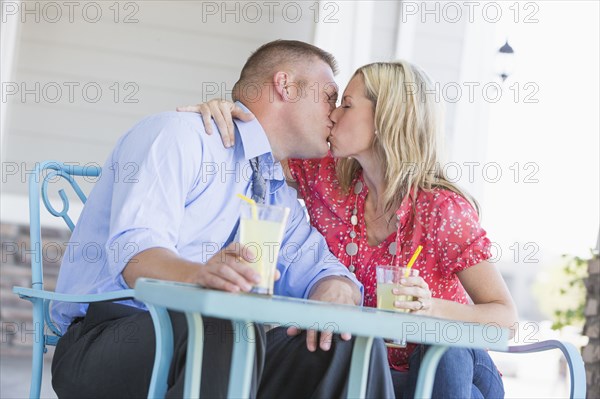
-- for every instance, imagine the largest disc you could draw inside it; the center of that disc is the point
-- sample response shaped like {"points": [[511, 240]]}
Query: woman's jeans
{"points": [[461, 373]]}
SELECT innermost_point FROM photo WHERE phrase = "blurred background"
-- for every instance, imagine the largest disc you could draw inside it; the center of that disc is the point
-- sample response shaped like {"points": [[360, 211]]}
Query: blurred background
{"points": [[519, 80]]}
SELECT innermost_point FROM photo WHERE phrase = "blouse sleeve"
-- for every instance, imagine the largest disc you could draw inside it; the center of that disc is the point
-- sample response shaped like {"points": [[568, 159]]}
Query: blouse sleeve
{"points": [[460, 239]]}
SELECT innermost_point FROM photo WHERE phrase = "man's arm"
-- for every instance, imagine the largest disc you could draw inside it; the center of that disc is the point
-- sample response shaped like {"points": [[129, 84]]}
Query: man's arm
{"points": [[147, 209], [227, 270]]}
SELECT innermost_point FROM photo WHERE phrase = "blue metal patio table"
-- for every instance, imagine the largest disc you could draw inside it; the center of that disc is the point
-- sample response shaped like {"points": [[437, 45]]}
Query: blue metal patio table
{"points": [[245, 309]]}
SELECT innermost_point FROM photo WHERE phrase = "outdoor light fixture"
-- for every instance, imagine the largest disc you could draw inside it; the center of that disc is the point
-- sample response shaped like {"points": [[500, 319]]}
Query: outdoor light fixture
{"points": [[505, 61]]}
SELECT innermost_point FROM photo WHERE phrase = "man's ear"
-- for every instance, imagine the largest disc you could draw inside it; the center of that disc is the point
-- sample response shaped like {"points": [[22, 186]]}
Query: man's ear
{"points": [[280, 85]]}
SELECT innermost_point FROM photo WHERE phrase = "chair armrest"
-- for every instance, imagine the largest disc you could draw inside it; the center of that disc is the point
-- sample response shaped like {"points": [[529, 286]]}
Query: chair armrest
{"points": [[572, 355], [27, 293], [565, 347]]}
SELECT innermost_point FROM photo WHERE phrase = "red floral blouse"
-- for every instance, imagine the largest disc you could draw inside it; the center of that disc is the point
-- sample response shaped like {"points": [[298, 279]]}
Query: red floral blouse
{"points": [[446, 225]]}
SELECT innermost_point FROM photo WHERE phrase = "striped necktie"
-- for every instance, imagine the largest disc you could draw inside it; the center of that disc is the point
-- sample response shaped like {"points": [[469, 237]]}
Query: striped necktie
{"points": [[259, 185]]}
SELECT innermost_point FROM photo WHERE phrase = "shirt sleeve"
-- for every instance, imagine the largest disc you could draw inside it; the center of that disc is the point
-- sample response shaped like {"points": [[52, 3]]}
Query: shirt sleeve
{"points": [[460, 239], [153, 171], [304, 257]]}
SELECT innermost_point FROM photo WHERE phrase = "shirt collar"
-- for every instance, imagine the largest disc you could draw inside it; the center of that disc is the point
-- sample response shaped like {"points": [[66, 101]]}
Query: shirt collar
{"points": [[256, 144], [254, 138]]}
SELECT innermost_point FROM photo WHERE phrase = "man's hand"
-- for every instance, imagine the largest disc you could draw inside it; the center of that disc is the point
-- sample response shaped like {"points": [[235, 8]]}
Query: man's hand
{"points": [[330, 289], [227, 270]]}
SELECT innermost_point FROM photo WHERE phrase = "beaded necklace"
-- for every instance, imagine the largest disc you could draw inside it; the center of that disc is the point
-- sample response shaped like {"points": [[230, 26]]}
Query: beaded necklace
{"points": [[352, 247]]}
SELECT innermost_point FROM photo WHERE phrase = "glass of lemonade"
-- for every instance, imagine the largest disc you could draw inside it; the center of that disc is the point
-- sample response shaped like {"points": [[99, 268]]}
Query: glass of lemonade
{"points": [[261, 230], [388, 278]]}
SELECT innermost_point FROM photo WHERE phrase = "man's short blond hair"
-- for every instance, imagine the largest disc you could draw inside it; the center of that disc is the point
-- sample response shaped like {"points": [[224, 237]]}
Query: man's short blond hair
{"points": [[274, 56]]}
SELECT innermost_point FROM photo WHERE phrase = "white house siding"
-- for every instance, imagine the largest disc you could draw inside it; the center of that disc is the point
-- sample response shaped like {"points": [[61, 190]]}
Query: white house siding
{"points": [[176, 53]]}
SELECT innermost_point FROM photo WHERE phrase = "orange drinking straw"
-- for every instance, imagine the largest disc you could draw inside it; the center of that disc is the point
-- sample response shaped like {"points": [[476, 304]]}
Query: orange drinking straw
{"points": [[412, 260]]}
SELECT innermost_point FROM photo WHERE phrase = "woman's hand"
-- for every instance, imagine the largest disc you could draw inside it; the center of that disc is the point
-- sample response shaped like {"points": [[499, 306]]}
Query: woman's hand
{"points": [[222, 112], [418, 289]]}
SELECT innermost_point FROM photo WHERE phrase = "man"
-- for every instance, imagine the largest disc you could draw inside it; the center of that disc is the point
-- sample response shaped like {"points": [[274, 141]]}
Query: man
{"points": [[166, 208]]}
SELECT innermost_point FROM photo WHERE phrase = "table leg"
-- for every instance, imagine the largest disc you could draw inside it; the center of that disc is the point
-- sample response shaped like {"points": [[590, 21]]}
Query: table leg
{"points": [[359, 367], [242, 361], [164, 351], [193, 361], [427, 371]]}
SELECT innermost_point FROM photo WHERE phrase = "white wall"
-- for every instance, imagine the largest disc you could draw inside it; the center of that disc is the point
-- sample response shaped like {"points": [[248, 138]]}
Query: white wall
{"points": [[9, 36], [361, 32], [455, 46], [150, 57]]}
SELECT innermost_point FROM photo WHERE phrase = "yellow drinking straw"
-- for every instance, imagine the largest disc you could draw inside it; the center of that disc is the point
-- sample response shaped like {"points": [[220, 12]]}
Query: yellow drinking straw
{"points": [[412, 260], [252, 203]]}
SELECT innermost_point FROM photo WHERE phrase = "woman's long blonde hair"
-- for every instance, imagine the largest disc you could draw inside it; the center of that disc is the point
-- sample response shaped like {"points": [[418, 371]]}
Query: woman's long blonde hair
{"points": [[409, 121]]}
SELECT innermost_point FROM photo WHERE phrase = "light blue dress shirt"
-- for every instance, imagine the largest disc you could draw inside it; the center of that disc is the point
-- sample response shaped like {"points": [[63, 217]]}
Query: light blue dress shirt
{"points": [[168, 184]]}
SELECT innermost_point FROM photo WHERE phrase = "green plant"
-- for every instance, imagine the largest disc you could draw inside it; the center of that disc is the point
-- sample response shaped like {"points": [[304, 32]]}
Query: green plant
{"points": [[561, 292]]}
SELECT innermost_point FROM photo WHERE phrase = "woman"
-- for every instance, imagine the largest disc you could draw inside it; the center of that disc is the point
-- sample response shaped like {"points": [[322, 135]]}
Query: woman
{"points": [[380, 194]]}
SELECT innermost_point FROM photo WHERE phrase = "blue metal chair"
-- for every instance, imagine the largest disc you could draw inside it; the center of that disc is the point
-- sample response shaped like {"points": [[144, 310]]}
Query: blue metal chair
{"points": [[45, 332]]}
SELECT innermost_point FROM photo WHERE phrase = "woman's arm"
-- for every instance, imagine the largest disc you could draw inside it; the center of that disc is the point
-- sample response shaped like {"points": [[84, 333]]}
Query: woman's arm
{"points": [[492, 302], [222, 112]]}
